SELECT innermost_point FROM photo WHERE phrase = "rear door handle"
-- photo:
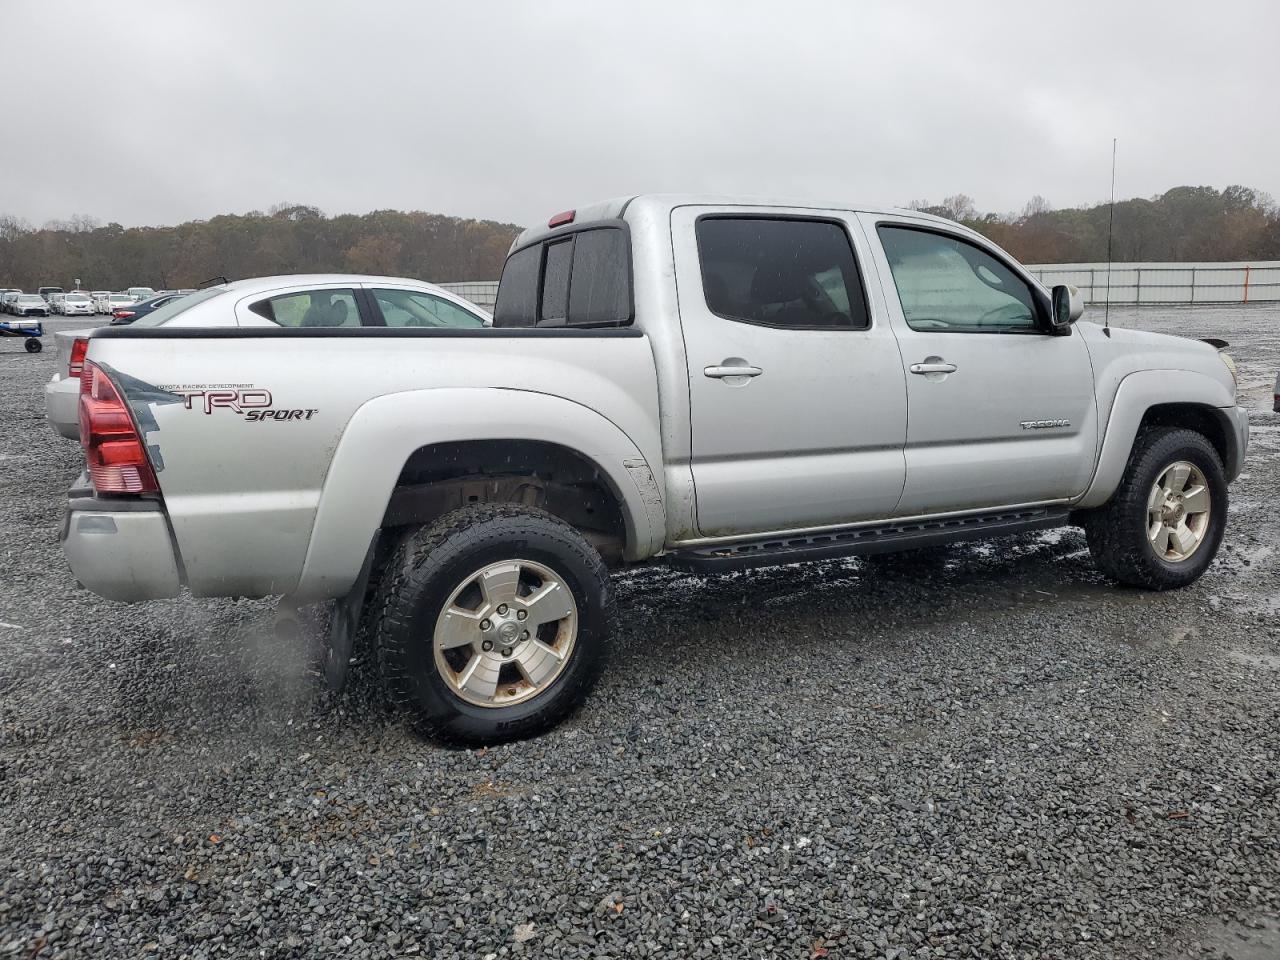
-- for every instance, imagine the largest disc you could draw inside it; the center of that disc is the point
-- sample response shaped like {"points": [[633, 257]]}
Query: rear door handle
{"points": [[932, 366], [719, 372]]}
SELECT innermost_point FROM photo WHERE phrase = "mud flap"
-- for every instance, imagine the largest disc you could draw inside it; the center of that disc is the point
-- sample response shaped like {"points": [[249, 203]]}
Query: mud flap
{"points": [[344, 624]]}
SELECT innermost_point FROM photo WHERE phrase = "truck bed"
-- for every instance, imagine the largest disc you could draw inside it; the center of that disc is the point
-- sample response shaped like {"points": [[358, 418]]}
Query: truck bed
{"points": [[245, 425]]}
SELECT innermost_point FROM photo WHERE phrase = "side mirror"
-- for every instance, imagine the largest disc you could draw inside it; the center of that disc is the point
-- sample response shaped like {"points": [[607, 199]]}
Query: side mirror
{"points": [[1068, 305]]}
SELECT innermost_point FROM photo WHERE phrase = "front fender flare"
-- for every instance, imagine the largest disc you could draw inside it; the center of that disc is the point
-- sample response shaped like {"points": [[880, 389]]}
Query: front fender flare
{"points": [[385, 431], [1139, 392]]}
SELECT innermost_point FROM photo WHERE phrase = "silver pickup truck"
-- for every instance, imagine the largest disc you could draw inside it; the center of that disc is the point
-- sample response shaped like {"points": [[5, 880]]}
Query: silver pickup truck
{"points": [[712, 382]]}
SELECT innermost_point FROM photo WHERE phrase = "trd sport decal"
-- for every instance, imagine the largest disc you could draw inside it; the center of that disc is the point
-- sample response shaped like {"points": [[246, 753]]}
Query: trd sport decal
{"points": [[252, 403]]}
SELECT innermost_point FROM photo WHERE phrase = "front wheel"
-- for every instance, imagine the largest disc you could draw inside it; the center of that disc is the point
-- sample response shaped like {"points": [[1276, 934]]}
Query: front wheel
{"points": [[1163, 526], [492, 623]]}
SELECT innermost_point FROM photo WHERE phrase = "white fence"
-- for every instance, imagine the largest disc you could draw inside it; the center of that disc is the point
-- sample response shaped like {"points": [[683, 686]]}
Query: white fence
{"points": [[1256, 282], [483, 293], [1140, 283]]}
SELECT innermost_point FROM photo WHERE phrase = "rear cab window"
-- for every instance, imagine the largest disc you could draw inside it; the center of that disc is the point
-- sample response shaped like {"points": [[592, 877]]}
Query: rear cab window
{"points": [[577, 278]]}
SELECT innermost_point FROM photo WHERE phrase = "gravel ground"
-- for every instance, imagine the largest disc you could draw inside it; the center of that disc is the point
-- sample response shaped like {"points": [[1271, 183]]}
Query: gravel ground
{"points": [[990, 752]]}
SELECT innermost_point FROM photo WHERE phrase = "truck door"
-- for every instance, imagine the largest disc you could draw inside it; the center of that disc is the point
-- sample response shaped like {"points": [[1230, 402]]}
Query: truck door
{"points": [[796, 391], [1000, 412]]}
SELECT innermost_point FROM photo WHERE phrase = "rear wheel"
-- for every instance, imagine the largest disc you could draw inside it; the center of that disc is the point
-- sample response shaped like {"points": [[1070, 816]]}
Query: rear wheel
{"points": [[491, 624], [33, 345], [1163, 526]]}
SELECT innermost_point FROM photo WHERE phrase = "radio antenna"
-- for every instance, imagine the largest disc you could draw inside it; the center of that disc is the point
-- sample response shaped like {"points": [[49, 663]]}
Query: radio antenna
{"points": [[1111, 222]]}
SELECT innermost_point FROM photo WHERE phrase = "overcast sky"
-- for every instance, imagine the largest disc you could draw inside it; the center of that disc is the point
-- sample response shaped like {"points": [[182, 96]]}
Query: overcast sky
{"points": [[157, 112]]}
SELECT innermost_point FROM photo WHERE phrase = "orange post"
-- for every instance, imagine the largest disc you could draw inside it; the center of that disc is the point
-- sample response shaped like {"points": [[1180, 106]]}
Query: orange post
{"points": [[1246, 283]]}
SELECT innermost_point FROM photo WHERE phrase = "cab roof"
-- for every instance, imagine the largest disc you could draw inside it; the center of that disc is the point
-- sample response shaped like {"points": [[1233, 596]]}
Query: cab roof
{"points": [[661, 204]]}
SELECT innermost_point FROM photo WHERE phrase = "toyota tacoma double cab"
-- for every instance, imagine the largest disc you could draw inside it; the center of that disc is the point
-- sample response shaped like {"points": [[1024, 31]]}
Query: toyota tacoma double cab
{"points": [[714, 383]]}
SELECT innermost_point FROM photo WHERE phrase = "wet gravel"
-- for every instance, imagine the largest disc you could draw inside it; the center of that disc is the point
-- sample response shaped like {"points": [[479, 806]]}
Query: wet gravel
{"points": [[986, 752]]}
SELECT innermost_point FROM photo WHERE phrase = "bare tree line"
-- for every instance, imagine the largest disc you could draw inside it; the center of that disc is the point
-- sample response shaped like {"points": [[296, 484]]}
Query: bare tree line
{"points": [[1187, 224], [1182, 224], [286, 239]]}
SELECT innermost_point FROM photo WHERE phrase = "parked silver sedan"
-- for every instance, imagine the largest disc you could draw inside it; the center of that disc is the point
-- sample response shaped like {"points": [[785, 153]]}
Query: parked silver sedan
{"points": [[29, 305], [324, 300]]}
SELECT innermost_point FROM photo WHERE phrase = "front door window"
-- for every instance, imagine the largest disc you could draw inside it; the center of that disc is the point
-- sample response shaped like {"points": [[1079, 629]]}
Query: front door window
{"points": [[948, 285]]}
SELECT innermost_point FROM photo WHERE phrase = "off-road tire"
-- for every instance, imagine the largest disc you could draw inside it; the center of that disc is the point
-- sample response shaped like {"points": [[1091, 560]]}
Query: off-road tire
{"points": [[427, 565], [1117, 531]]}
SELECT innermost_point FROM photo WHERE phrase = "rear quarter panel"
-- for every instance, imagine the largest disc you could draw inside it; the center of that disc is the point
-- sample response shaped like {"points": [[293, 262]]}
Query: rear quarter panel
{"points": [[243, 431]]}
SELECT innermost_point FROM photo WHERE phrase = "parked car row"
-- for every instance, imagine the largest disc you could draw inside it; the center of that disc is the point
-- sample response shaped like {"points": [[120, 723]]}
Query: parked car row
{"points": [[78, 302]]}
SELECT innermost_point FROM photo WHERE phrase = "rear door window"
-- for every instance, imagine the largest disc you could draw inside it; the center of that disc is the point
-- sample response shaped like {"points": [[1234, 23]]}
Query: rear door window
{"points": [[413, 308], [311, 308], [799, 274]]}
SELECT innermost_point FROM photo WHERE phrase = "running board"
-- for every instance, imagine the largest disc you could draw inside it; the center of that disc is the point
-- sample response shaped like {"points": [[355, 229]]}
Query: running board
{"points": [[851, 541]]}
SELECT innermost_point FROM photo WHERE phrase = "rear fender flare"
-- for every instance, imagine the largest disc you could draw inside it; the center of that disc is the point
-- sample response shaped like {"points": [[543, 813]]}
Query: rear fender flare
{"points": [[383, 433]]}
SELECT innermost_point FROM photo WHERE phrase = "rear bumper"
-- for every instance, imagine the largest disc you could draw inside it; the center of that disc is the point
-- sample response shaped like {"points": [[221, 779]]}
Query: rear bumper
{"points": [[62, 405], [119, 549]]}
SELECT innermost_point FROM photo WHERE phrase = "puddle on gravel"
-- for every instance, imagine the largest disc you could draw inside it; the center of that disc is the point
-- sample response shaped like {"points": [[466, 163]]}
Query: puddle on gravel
{"points": [[1268, 661], [1172, 637], [1253, 940]]}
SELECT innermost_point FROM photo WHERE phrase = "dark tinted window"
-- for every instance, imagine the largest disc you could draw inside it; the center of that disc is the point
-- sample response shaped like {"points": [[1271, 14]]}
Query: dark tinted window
{"points": [[585, 280], [517, 304], [947, 284], [600, 292], [555, 282], [780, 273]]}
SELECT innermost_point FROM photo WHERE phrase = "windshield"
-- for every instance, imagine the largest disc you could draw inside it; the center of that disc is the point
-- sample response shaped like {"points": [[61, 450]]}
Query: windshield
{"points": [[77, 297], [120, 298], [177, 305], [30, 298]]}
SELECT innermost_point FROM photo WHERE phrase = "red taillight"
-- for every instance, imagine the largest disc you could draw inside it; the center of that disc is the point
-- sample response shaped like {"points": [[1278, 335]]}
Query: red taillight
{"points": [[113, 449], [122, 314], [75, 366], [560, 219]]}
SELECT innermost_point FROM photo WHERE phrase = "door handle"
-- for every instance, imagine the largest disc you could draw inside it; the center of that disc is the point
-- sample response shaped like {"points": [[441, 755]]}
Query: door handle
{"points": [[933, 365], [721, 371]]}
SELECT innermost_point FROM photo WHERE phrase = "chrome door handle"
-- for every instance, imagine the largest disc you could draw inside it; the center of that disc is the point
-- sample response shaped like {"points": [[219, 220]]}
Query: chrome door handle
{"points": [[932, 366], [719, 372]]}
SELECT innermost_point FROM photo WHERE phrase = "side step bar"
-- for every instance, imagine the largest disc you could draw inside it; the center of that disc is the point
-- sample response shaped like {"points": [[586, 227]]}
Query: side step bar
{"points": [[877, 538]]}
